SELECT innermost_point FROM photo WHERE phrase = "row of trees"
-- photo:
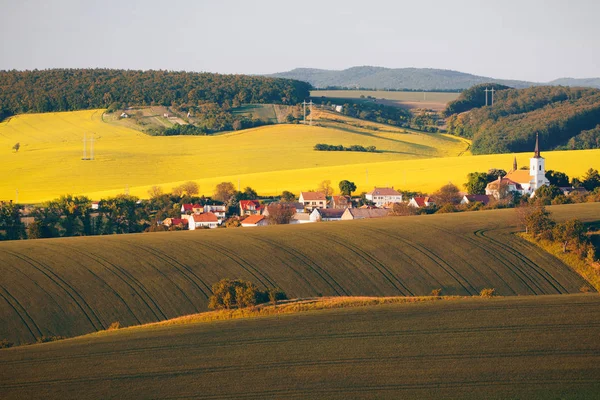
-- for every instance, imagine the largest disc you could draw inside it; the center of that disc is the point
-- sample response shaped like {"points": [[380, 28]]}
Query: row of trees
{"points": [[564, 117], [354, 147], [77, 89], [238, 293]]}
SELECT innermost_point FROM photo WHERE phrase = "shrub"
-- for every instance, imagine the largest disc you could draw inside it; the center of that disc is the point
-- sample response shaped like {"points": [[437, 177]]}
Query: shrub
{"points": [[238, 293], [487, 293], [45, 339], [585, 289], [5, 344], [276, 294], [436, 292], [114, 326]]}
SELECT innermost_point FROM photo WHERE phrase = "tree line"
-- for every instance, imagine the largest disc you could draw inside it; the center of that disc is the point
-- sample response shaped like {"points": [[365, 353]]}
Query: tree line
{"points": [[78, 89], [354, 147], [564, 117]]}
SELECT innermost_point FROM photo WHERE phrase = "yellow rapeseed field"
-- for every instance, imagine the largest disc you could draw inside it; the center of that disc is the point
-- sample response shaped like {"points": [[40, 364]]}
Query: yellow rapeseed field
{"points": [[269, 159]]}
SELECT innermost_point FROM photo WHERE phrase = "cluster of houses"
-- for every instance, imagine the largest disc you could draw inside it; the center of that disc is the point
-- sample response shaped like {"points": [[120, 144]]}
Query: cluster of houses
{"points": [[315, 206]]}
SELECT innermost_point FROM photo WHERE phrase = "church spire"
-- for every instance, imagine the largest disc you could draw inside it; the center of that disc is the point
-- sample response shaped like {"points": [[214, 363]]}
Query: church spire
{"points": [[515, 164], [537, 146]]}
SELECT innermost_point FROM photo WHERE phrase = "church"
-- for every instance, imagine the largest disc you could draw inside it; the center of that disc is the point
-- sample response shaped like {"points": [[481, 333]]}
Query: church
{"points": [[525, 182]]}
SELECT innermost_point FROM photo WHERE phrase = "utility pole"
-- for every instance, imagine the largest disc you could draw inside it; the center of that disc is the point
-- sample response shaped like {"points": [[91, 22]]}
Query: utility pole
{"points": [[310, 116], [492, 96], [304, 106], [486, 92]]}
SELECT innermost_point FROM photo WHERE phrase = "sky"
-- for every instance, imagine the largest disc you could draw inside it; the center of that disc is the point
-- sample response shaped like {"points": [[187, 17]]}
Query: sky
{"points": [[532, 40]]}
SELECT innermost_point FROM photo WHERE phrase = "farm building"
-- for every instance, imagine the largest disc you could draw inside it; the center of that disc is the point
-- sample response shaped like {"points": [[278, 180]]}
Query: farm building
{"points": [[362, 213], [472, 198], [327, 214], [191, 208], [183, 222], [219, 211], [205, 220], [254, 220], [312, 200], [301, 218], [381, 196]]}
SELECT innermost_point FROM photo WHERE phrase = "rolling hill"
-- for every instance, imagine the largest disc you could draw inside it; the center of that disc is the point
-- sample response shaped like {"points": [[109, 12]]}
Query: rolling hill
{"points": [[368, 77], [72, 286], [269, 159], [540, 347]]}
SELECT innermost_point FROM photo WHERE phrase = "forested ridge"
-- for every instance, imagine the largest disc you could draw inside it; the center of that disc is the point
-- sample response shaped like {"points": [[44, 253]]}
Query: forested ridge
{"points": [[564, 117], [78, 89]]}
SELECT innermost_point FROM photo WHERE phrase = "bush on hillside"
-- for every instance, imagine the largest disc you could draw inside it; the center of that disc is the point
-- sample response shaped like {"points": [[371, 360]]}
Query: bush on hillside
{"points": [[238, 293]]}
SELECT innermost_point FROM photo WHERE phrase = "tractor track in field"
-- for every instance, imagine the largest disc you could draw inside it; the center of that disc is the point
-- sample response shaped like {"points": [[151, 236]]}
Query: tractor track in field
{"points": [[380, 267], [543, 274], [130, 280], [323, 337], [311, 265], [182, 268], [78, 300], [242, 263], [110, 287], [183, 292], [433, 257], [20, 311], [500, 257], [279, 365]]}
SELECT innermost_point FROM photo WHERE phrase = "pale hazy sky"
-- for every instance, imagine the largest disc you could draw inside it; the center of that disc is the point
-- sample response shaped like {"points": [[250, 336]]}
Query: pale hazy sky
{"points": [[527, 39]]}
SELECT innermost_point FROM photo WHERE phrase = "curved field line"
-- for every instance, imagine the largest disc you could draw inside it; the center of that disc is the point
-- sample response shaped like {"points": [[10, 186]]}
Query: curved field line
{"points": [[58, 281], [279, 365], [432, 256], [319, 337], [313, 266], [19, 314], [110, 288], [128, 276], [500, 257], [183, 269], [371, 260], [242, 263], [183, 293], [543, 274]]}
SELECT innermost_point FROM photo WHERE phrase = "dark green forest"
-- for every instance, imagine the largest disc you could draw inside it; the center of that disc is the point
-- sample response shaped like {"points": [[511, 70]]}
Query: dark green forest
{"points": [[564, 117], [79, 89]]}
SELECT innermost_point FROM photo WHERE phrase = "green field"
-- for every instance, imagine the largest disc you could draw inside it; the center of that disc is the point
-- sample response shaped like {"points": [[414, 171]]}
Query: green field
{"points": [[536, 347], [432, 100], [73, 286]]}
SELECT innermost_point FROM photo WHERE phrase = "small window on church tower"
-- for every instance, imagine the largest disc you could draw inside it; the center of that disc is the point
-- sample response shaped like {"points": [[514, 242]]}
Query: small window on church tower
{"points": [[540, 167]]}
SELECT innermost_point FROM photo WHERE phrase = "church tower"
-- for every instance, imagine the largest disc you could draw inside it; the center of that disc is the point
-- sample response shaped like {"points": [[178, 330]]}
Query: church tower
{"points": [[537, 167]]}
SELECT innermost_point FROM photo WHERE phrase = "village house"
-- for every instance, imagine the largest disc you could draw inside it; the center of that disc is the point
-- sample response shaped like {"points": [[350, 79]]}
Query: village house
{"points": [[326, 214], [254, 220], [312, 200], [472, 198], [250, 207], [420, 202], [301, 218], [191, 208], [340, 202], [205, 220], [298, 207], [362, 213], [524, 182], [381, 196], [169, 222], [218, 210]]}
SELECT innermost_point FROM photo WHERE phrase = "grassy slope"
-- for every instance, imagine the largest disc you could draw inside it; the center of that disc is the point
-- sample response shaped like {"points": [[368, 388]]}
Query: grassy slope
{"points": [[433, 100], [269, 159], [73, 286], [520, 347]]}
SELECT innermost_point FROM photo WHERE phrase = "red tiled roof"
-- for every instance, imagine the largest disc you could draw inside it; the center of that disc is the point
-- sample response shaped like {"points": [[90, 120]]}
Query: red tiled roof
{"points": [[312, 196], [519, 176], [506, 181], [384, 192], [253, 219], [179, 221], [188, 207], [205, 217], [421, 201], [245, 203]]}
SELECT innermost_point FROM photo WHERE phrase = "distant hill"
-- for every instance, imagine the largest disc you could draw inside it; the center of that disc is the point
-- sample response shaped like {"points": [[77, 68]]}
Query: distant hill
{"points": [[564, 117], [410, 78]]}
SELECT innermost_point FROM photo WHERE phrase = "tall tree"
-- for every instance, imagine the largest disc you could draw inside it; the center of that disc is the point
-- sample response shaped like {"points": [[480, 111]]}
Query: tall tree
{"points": [[224, 192], [476, 182], [347, 187]]}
